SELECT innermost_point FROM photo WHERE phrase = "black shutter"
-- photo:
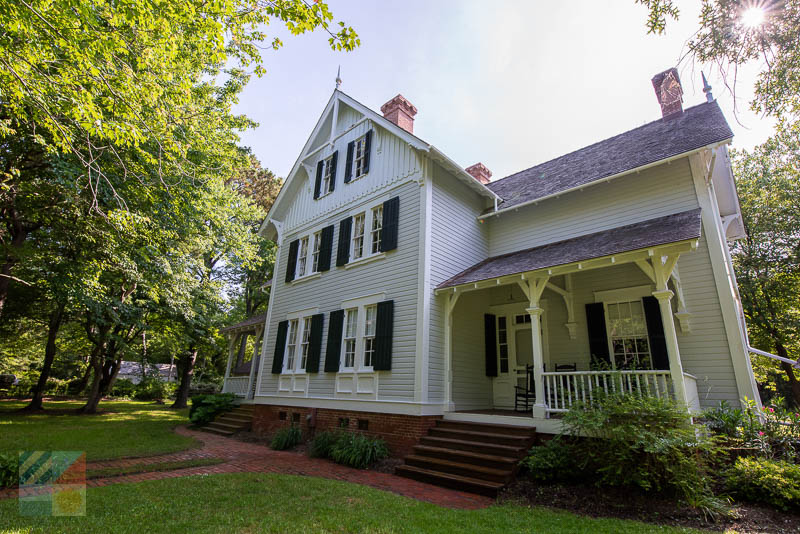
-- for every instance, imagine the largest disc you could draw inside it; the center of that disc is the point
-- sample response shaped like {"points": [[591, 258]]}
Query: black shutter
{"points": [[325, 249], [655, 331], [315, 343], [291, 260], [490, 342], [384, 326], [367, 145], [343, 254], [318, 182], [348, 167], [391, 219], [333, 162], [334, 347], [280, 345], [598, 339]]}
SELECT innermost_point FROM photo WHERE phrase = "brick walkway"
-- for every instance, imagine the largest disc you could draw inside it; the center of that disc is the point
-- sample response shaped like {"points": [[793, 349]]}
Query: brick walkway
{"points": [[241, 457]]}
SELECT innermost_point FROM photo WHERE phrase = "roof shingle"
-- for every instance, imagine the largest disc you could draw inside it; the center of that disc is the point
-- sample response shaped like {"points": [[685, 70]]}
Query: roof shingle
{"points": [[697, 127], [650, 233]]}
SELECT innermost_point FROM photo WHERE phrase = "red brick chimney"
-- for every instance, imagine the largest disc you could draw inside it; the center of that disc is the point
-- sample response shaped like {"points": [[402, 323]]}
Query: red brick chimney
{"points": [[401, 112], [669, 92], [480, 172]]}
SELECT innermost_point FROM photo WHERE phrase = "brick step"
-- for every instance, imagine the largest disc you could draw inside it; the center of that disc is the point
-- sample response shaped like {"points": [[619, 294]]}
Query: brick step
{"points": [[448, 480], [467, 457], [492, 438], [527, 431], [475, 446], [462, 469]]}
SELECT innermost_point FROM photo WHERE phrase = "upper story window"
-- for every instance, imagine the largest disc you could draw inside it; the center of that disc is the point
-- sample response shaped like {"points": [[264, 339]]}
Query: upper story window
{"points": [[627, 334], [360, 157], [358, 235], [358, 152], [376, 226], [326, 176], [350, 338], [318, 245], [302, 258], [315, 254]]}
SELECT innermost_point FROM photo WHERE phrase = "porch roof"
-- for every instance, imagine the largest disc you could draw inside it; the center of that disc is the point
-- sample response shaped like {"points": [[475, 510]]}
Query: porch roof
{"points": [[248, 325], [643, 235]]}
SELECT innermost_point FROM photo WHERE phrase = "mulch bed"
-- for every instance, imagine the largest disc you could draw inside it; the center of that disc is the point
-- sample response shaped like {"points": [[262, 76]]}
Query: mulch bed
{"points": [[627, 503]]}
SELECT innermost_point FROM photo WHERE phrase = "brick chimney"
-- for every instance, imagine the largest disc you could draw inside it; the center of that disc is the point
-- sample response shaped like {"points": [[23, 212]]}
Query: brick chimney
{"points": [[480, 172], [669, 93], [401, 112]]}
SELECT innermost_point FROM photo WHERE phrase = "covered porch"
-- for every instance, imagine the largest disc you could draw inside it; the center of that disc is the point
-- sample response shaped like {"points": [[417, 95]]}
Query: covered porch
{"points": [[531, 333], [244, 348]]}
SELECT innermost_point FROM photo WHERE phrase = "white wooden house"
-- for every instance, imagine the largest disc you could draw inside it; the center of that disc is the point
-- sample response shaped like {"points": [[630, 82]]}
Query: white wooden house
{"points": [[409, 289]]}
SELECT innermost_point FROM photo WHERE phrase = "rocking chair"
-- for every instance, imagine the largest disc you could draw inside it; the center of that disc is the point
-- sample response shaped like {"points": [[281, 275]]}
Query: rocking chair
{"points": [[524, 396]]}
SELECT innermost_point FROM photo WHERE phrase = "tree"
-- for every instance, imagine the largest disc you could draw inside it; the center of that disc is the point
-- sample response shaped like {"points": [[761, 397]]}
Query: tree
{"points": [[767, 261]]}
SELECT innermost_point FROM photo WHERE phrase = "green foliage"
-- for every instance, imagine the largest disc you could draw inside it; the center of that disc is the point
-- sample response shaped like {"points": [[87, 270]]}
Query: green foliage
{"points": [[773, 433], [658, 11], [286, 438], [6, 381], [322, 444], [646, 442], [9, 467], [123, 388], [153, 389], [357, 450], [206, 407], [554, 461], [776, 483]]}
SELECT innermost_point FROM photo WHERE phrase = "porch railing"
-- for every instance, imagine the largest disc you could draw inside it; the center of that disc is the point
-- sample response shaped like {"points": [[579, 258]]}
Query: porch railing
{"points": [[563, 389], [237, 385]]}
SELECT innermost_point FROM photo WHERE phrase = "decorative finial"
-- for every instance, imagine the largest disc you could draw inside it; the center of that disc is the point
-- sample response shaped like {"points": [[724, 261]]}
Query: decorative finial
{"points": [[707, 88], [339, 77]]}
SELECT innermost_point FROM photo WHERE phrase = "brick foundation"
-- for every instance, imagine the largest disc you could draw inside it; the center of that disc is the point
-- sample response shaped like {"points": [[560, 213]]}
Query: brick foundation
{"points": [[400, 432]]}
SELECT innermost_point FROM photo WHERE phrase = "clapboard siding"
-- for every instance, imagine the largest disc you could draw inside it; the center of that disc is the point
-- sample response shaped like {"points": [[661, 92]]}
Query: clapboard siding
{"points": [[395, 275], [656, 192], [458, 241], [472, 389]]}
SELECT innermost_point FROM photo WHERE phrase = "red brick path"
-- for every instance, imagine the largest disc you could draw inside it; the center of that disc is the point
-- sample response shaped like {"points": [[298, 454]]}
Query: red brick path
{"points": [[241, 457]]}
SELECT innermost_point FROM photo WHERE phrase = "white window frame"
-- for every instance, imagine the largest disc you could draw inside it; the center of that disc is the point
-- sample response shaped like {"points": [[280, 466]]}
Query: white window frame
{"points": [[289, 362], [370, 213], [315, 250], [368, 337], [361, 304], [302, 257], [376, 229], [357, 241], [302, 320], [359, 157], [305, 344], [621, 296], [347, 339], [325, 184]]}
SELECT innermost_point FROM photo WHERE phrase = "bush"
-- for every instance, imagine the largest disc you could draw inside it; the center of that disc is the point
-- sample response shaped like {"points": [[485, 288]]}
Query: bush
{"points": [[647, 442], [286, 438], [323, 443], [9, 475], [358, 450], [123, 388], [204, 388], [552, 462], [776, 483], [206, 407], [6, 381], [153, 389]]}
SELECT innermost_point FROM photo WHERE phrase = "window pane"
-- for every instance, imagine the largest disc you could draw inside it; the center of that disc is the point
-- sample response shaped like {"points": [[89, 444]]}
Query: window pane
{"points": [[369, 326]]}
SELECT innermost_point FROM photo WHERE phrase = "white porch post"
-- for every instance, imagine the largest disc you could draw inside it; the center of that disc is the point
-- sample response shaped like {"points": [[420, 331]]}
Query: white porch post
{"points": [[450, 300], [231, 344], [533, 289], [254, 363], [664, 297]]}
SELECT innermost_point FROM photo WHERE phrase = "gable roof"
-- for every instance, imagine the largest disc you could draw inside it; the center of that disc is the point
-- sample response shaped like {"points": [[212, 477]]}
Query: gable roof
{"points": [[696, 128], [641, 235]]}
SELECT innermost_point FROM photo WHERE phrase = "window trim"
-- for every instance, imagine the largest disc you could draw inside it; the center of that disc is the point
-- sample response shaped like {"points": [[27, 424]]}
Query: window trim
{"points": [[325, 182], [617, 296], [363, 236], [300, 317], [368, 210], [376, 213], [302, 240], [363, 141], [361, 304], [314, 236]]}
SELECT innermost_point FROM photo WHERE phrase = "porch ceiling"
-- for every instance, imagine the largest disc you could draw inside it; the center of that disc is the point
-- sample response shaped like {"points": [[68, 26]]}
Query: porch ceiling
{"points": [[676, 228]]}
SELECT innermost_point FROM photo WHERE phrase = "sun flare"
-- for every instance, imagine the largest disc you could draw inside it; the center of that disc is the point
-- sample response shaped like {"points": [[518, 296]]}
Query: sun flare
{"points": [[753, 17]]}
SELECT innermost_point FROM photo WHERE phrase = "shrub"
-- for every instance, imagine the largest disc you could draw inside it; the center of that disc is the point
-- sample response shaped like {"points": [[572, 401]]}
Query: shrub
{"points": [[323, 443], [358, 450], [776, 483], [123, 388], [286, 438], [204, 388], [9, 475], [153, 389], [6, 381], [552, 462], [206, 407]]}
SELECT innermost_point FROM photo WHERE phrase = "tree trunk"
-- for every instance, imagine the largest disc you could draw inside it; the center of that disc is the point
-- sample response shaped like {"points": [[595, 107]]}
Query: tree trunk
{"points": [[789, 370], [186, 365], [84, 380], [242, 350], [56, 318], [96, 362]]}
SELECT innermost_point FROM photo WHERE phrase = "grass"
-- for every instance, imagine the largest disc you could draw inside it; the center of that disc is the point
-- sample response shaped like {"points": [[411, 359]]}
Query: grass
{"points": [[284, 503], [126, 429], [150, 468]]}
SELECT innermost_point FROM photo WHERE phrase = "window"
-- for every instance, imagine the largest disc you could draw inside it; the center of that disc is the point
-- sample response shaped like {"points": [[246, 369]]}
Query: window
{"points": [[304, 343], [627, 333], [291, 344], [522, 318], [369, 334], [361, 156], [351, 326], [315, 253], [358, 236], [302, 256], [377, 224], [502, 340], [327, 175]]}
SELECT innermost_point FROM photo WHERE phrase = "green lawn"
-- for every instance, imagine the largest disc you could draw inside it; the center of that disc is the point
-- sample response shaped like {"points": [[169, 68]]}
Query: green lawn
{"points": [[284, 503], [128, 428]]}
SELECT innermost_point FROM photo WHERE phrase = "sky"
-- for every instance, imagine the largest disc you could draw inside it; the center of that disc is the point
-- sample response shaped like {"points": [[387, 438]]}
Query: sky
{"points": [[509, 83]]}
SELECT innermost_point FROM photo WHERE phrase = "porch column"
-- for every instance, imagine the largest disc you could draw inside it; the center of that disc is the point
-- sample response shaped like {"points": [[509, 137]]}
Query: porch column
{"points": [[449, 304], [254, 363], [664, 297], [231, 345], [539, 406]]}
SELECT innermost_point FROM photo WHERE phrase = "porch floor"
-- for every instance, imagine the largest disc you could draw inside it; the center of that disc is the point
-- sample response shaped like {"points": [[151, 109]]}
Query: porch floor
{"points": [[504, 413]]}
